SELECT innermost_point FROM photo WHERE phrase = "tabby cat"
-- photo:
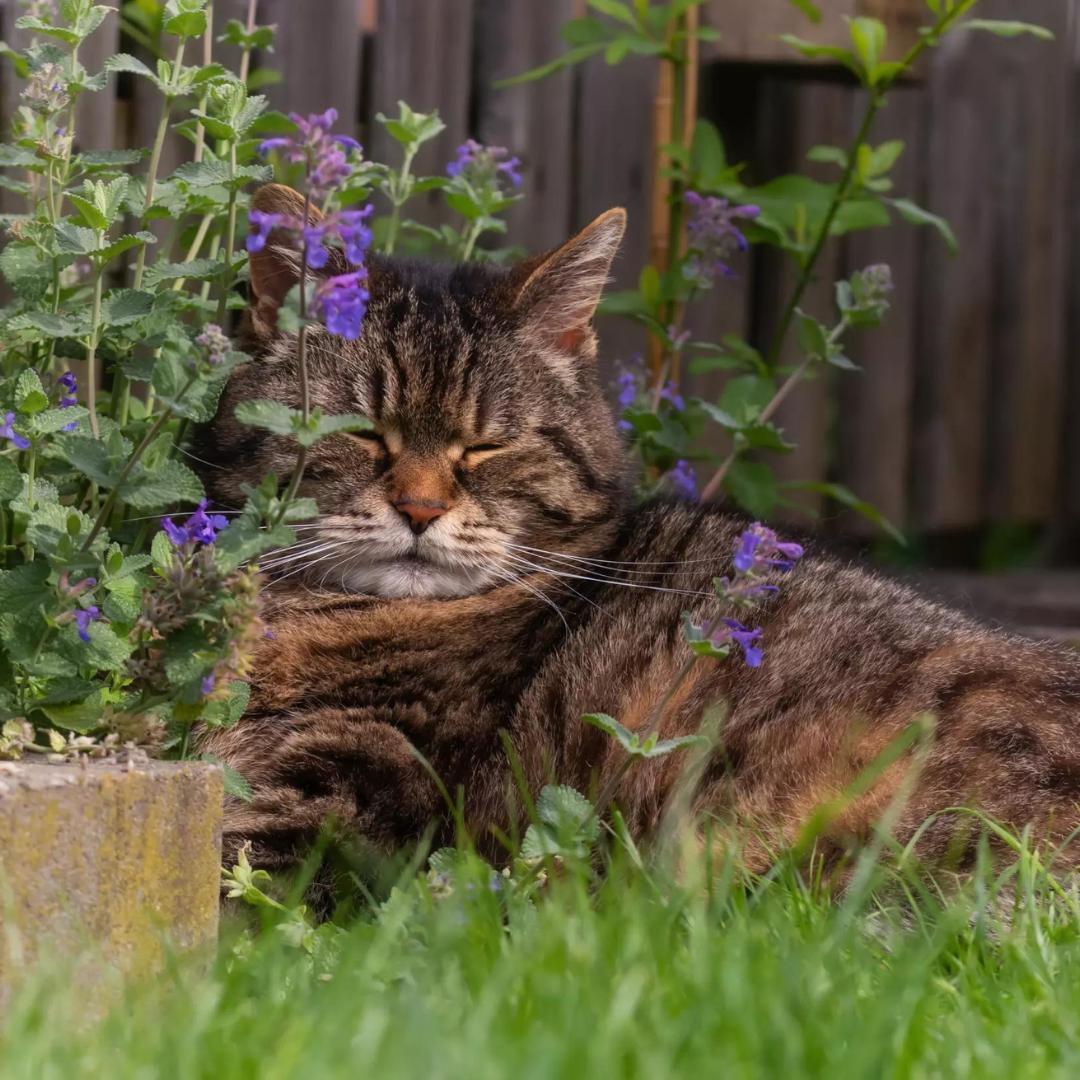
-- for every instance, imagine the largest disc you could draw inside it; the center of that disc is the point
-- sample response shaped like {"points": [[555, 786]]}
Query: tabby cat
{"points": [[480, 565]]}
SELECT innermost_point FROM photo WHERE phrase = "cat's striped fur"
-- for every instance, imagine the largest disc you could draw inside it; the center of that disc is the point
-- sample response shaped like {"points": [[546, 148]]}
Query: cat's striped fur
{"points": [[538, 592]]}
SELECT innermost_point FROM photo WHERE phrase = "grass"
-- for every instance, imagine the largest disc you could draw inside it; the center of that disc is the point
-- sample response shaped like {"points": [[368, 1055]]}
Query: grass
{"points": [[637, 975]]}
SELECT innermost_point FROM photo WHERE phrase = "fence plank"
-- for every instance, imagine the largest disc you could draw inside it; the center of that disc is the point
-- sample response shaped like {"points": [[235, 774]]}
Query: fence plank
{"points": [[952, 384], [796, 116], [614, 156], [423, 55], [534, 120], [1033, 122], [876, 402], [318, 54], [96, 114]]}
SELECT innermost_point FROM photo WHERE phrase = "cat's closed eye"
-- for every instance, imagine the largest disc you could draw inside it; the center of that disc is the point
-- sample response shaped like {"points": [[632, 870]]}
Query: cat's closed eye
{"points": [[477, 452]]}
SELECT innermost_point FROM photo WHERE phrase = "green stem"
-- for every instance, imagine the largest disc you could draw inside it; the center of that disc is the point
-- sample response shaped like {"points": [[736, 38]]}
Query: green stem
{"points": [[301, 363], [230, 241], [806, 275], [110, 500], [196, 246], [877, 99], [91, 352], [208, 56], [155, 157], [399, 195], [470, 240], [245, 56]]}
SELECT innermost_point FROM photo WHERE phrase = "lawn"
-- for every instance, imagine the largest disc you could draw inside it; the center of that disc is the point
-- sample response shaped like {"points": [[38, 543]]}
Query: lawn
{"points": [[636, 975]]}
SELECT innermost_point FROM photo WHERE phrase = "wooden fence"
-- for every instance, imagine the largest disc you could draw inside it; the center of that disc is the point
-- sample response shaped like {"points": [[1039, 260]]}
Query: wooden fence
{"points": [[964, 413]]}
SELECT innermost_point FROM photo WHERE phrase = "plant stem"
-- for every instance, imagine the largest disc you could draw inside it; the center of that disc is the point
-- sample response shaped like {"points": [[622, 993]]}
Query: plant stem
{"points": [[301, 361], [398, 195], [110, 500], [806, 275], [230, 240], [155, 158], [91, 352], [470, 240], [196, 246], [245, 57], [207, 58]]}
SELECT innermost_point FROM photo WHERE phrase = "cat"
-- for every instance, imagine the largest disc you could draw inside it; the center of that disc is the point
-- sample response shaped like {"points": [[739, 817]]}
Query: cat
{"points": [[479, 565]]}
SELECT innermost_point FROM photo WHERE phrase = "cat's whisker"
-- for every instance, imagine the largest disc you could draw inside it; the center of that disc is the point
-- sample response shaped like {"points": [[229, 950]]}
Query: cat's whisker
{"points": [[536, 569], [292, 555], [560, 573], [306, 566], [723, 559], [516, 580]]}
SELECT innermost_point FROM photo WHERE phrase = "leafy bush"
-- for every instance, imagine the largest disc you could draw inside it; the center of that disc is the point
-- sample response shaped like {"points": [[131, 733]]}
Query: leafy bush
{"points": [[116, 628]]}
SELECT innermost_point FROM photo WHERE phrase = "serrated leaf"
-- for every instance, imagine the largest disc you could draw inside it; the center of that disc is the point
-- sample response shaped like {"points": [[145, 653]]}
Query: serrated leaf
{"points": [[10, 480], [269, 415], [196, 270], [50, 324], [125, 306], [1008, 28], [166, 483], [53, 420]]}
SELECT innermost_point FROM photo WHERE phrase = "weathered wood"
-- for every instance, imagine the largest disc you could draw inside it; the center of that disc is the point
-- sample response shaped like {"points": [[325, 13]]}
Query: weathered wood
{"points": [[798, 117], [534, 120], [874, 452], [318, 54], [1032, 120], [614, 146], [953, 386], [751, 32], [423, 55], [96, 113]]}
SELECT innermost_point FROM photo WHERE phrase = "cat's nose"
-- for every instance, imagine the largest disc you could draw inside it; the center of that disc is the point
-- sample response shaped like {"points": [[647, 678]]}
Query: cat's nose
{"points": [[419, 513]]}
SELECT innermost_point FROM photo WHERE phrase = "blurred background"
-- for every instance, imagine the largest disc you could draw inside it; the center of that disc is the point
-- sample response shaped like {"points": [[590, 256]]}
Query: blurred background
{"points": [[961, 426]]}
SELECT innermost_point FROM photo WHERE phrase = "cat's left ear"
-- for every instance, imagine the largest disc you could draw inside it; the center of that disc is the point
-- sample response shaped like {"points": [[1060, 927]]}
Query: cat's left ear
{"points": [[559, 296]]}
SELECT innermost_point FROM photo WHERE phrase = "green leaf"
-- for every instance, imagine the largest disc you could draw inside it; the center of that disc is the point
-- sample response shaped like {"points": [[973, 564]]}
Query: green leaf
{"points": [[196, 270], [10, 480], [753, 486], [165, 483], [132, 65], [52, 325], [271, 416], [1007, 28], [846, 497], [52, 420], [916, 215], [821, 52], [81, 717], [566, 825], [808, 8], [323, 426], [812, 336], [745, 396], [125, 306], [868, 36]]}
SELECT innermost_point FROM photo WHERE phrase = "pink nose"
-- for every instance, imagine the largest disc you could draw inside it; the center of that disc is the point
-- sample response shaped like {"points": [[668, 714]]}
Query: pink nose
{"points": [[420, 513]]}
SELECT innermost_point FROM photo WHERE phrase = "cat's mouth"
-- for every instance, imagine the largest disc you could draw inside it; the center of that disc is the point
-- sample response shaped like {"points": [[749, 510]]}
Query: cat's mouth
{"points": [[421, 571]]}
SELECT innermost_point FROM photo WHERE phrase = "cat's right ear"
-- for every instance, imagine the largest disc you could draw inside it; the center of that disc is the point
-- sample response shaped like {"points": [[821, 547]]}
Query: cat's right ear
{"points": [[275, 267]]}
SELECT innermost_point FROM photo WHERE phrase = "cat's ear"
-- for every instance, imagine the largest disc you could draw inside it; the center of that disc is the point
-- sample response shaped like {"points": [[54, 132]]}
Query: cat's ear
{"points": [[275, 268], [562, 289]]}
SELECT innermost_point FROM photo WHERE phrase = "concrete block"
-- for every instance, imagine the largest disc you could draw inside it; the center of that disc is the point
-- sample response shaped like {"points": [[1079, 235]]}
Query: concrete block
{"points": [[107, 864]]}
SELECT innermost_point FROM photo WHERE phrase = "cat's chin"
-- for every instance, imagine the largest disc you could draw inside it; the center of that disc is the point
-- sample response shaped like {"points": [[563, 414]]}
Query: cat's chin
{"points": [[414, 579]]}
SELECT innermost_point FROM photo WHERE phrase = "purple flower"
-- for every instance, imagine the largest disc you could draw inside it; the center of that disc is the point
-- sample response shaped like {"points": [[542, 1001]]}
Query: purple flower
{"points": [[713, 236], [263, 224], [8, 432], [208, 684], [84, 617], [683, 480], [342, 302], [482, 165], [760, 549], [216, 343], [354, 232], [71, 385], [323, 153], [670, 393], [629, 383], [200, 528], [744, 637]]}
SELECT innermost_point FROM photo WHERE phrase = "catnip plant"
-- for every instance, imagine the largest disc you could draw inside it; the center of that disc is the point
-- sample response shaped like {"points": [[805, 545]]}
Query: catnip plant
{"points": [[708, 216], [126, 619]]}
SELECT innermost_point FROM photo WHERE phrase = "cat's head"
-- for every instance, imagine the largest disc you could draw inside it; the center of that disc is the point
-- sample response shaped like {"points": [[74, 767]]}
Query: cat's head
{"points": [[492, 438]]}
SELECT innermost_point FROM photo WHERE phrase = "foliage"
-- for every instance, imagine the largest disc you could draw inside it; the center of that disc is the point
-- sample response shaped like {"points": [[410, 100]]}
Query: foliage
{"points": [[712, 215], [111, 630]]}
